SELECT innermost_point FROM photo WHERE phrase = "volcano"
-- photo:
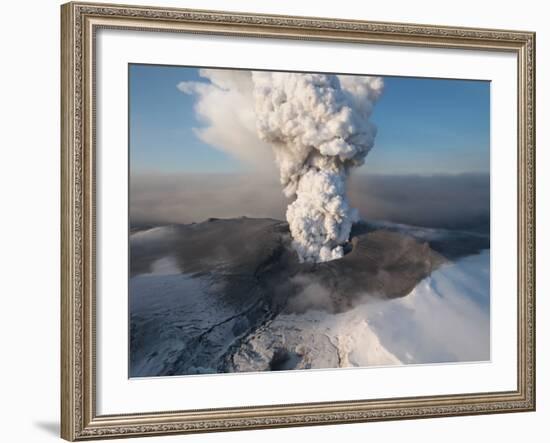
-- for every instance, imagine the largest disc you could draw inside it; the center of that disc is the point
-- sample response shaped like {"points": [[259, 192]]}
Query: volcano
{"points": [[231, 295]]}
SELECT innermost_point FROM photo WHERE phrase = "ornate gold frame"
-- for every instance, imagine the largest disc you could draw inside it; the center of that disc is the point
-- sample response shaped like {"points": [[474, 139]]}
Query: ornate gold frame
{"points": [[79, 22]]}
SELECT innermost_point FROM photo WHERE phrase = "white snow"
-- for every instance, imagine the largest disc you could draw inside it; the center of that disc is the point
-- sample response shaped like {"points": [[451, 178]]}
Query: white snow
{"points": [[444, 319]]}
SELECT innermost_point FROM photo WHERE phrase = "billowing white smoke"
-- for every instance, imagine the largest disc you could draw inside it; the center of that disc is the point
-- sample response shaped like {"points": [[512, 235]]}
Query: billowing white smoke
{"points": [[319, 128], [226, 105]]}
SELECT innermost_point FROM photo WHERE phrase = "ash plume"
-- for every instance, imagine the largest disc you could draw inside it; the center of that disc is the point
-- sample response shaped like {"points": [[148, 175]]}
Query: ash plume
{"points": [[319, 128]]}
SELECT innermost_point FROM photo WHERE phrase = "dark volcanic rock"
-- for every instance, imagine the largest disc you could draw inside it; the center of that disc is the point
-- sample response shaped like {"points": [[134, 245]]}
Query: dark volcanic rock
{"points": [[380, 264], [258, 251]]}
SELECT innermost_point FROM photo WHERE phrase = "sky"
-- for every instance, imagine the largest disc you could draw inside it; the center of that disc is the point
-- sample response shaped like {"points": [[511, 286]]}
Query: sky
{"points": [[425, 126]]}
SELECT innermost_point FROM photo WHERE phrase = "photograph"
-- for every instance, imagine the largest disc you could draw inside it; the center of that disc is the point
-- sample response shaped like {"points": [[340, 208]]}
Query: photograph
{"points": [[275, 219], [283, 220]]}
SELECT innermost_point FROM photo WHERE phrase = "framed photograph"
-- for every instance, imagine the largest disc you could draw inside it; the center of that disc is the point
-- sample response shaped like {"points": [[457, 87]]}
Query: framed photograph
{"points": [[282, 221]]}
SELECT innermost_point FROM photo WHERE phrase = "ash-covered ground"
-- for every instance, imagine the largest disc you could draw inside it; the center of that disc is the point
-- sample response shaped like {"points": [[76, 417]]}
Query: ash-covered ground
{"points": [[229, 295]]}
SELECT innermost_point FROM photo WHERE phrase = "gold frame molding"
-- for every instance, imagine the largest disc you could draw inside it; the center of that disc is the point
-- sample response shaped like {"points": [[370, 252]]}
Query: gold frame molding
{"points": [[79, 22]]}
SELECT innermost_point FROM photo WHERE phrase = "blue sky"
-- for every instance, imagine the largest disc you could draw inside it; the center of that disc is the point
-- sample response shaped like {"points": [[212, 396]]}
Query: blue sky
{"points": [[425, 126]]}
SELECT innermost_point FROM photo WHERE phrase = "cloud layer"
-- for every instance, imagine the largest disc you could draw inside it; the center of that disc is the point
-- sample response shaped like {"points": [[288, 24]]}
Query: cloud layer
{"points": [[456, 202]]}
